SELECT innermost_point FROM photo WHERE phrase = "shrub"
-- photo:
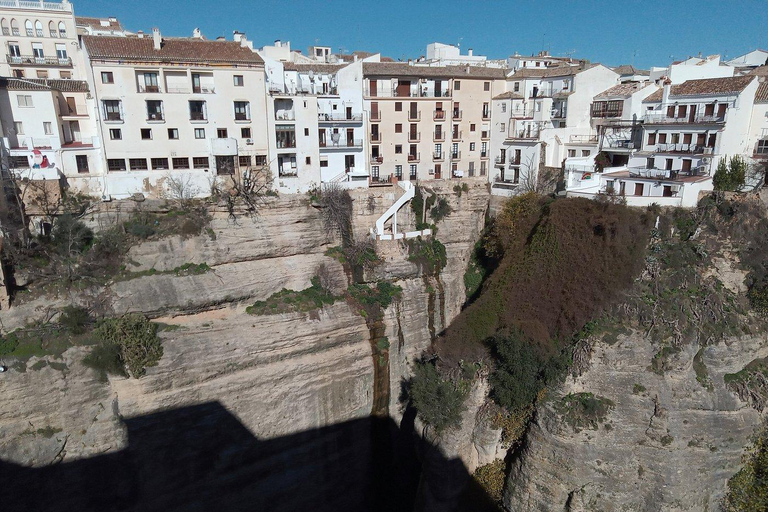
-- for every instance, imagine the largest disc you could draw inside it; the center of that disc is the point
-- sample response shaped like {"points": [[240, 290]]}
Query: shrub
{"points": [[429, 255], [584, 410], [8, 343], [439, 402], [70, 236], [748, 489], [441, 210], [106, 358], [517, 377], [288, 301], [75, 319], [140, 346], [491, 478], [419, 207], [382, 295], [730, 176]]}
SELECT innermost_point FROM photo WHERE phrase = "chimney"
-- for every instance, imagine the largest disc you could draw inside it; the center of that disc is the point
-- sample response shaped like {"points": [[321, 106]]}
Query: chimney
{"points": [[667, 87], [278, 43], [221, 38], [237, 36], [196, 34], [140, 33], [112, 19], [470, 52], [157, 39]]}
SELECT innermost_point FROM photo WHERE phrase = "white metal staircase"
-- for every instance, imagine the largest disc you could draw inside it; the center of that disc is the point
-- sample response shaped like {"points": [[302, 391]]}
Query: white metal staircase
{"points": [[391, 213]]}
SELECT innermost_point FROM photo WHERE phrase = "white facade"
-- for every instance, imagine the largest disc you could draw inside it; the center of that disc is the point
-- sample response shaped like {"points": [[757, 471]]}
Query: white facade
{"points": [[751, 59], [692, 68]]}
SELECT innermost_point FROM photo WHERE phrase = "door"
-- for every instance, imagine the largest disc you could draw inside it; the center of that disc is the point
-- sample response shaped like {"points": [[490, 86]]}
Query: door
{"points": [[692, 114], [438, 88], [349, 163], [414, 110], [374, 89], [349, 113], [72, 106], [721, 110], [622, 188], [403, 88], [74, 127], [687, 165], [322, 139], [669, 164], [638, 189], [196, 83], [375, 110], [82, 164], [667, 191], [701, 139], [438, 171], [350, 137]]}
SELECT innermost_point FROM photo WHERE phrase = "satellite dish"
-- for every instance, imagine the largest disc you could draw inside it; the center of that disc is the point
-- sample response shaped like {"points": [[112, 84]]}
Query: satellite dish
{"points": [[311, 74]]}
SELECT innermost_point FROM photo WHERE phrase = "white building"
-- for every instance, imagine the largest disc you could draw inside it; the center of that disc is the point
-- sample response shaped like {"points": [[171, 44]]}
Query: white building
{"points": [[440, 54], [687, 129], [692, 68], [749, 60], [540, 61], [758, 134], [187, 106]]}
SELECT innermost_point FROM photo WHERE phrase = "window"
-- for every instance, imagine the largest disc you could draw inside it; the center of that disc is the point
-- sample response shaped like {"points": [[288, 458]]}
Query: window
{"points": [[112, 110], [14, 50], [687, 138], [503, 108], [651, 139], [65, 75], [584, 152], [398, 106], [15, 28], [138, 164], [221, 133], [675, 138], [115, 134], [47, 128], [146, 134], [483, 149], [61, 53], [662, 138], [762, 147], [399, 171], [486, 86], [197, 111], [18, 126], [324, 163], [375, 172], [19, 162], [28, 28], [238, 80], [398, 149], [471, 146], [438, 150], [62, 29], [242, 111], [200, 162], [285, 135], [107, 77], [413, 171], [398, 128], [245, 133], [199, 133], [454, 150], [244, 160], [571, 153], [116, 164], [154, 110], [159, 164], [517, 87], [180, 162], [472, 127], [306, 132], [457, 85], [24, 100], [503, 127], [37, 51], [261, 160], [41, 73], [173, 133], [51, 30], [308, 160], [38, 29], [4, 24], [150, 83]]}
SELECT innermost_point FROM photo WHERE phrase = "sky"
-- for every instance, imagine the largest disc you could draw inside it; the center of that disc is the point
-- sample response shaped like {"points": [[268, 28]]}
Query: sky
{"points": [[643, 33]]}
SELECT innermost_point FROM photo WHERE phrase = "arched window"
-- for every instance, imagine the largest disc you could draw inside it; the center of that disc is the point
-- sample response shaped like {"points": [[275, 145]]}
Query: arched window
{"points": [[15, 27], [38, 29], [62, 29], [28, 28], [52, 29], [5, 27]]}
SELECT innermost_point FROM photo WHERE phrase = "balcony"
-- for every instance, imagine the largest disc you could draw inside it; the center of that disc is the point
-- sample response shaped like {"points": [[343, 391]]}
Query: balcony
{"points": [[339, 118], [438, 115], [341, 144], [521, 114], [583, 139], [438, 156], [197, 116], [376, 137], [285, 115], [486, 115], [414, 157], [455, 155], [178, 90], [665, 174], [414, 115], [242, 116], [499, 161], [696, 119], [375, 115], [485, 135], [457, 114], [414, 136], [456, 135], [558, 113], [149, 88], [686, 149], [621, 144], [514, 162], [35, 4], [438, 136], [377, 160], [606, 114], [31, 60], [203, 89], [410, 93]]}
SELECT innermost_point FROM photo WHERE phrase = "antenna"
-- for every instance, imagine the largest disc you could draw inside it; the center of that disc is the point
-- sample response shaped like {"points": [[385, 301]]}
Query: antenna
{"points": [[458, 45], [570, 53]]}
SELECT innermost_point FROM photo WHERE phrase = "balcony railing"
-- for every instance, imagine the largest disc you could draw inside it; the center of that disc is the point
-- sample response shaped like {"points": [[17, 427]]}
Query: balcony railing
{"points": [[352, 118], [455, 155], [376, 160], [438, 136], [30, 4], [438, 157], [178, 90], [583, 139], [342, 143], [410, 93], [486, 115], [689, 149], [149, 88], [438, 115], [376, 137], [31, 60], [197, 116], [285, 115], [155, 116], [414, 115], [558, 114], [414, 136], [456, 135], [457, 114], [414, 157], [288, 172], [203, 89], [622, 144], [499, 161], [696, 119], [376, 115], [606, 113]]}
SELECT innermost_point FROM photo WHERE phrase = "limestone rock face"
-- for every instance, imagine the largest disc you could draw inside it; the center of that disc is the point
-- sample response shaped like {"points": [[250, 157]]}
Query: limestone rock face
{"points": [[669, 443]]}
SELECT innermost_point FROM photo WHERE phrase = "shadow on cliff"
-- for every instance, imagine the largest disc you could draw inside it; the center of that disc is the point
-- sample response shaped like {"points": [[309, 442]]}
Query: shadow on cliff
{"points": [[202, 458]]}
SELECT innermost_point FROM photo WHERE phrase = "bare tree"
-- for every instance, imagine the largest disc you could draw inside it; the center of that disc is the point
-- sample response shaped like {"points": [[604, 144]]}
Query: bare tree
{"points": [[537, 178], [182, 189], [336, 211], [248, 189]]}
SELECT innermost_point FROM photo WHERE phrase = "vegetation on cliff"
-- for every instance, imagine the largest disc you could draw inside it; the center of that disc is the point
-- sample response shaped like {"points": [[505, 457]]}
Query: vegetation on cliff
{"points": [[748, 489]]}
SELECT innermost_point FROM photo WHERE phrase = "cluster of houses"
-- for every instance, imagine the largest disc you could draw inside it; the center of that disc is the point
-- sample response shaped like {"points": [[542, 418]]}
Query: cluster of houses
{"points": [[113, 113]]}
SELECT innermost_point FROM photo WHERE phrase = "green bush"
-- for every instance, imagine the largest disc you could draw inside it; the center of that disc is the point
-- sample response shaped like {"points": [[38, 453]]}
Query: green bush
{"points": [[439, 402], [429, 255], [748, 489], [140, 346], [289, 301], [441, 210], [106, 358], [75, 319], [517, 377], [584, 410], [8, 343], [730, 176], [382, 295], [70, 236]]}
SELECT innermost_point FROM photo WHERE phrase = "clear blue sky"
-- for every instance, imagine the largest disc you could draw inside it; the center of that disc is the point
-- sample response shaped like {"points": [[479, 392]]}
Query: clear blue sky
{"points": [[613, 32]]}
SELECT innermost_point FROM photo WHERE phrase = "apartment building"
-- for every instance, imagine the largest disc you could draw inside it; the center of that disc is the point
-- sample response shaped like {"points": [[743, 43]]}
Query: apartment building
{"points": [[429, 122], [757, 142], [543, 116], [687, 129], [40, 40], [692, 68], [316, 120], [187, 105]]}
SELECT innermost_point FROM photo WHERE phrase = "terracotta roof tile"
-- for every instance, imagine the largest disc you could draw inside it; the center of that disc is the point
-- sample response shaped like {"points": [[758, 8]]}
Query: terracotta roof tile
{"points": [[761, 96], [759, 71], [711, 86], [655, 97], [628, 69], [564, 70], [42, 84], [317, 67], [82, 21], [172, 50], [509, 95], [622, 90], [405, 69]]}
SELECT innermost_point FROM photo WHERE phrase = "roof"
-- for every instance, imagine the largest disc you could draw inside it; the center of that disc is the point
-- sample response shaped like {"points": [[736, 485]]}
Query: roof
{"points": [[628, 69], [43, 84], [113, 23], [550, 72], [622, 90], [509, 95], [172, 50], [655, 97], [712, 86], [316, 67], [405, 69], [759, 71], [761, 96]]}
